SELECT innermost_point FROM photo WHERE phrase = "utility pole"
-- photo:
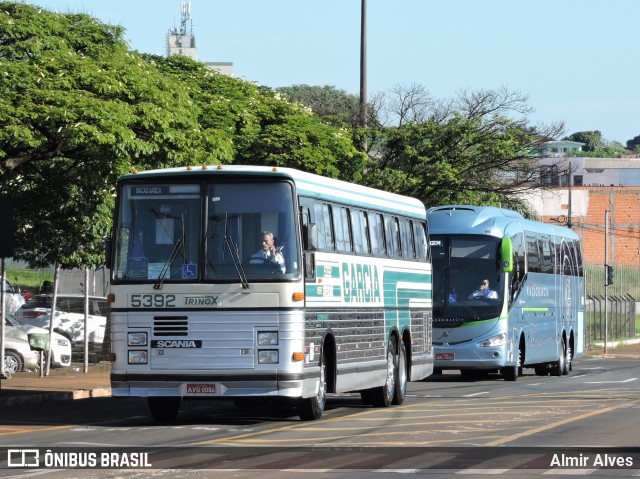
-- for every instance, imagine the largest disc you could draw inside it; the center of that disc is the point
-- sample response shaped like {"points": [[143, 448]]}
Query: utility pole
{"points": [[363, 64], [569, 221], [606, 281]]}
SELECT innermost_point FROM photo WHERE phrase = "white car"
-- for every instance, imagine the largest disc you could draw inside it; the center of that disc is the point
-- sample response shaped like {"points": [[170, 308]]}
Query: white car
{"points": [[18, 356], [16, 331], [69, 320], [12, 298]]}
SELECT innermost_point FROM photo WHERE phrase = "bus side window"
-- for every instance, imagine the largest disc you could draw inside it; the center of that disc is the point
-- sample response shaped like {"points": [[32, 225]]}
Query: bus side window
{"points": [[421, 241], [533, 255], [342, 230], [392, 228], [408, 242], [376, 233], [360, 237], [322, 214]]}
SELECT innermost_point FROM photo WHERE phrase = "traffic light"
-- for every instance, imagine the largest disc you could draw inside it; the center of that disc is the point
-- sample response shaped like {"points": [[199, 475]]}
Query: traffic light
{"points": [[609, 273]]}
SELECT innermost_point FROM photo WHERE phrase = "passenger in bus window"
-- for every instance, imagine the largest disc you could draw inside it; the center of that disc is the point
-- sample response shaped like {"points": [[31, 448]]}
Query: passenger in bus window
{"points": [[484, 291], [269, 252]]}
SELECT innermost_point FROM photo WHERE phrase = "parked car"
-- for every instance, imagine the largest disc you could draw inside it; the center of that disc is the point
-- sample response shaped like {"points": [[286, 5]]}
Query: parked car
{"points": [[60, 345], [12, 298], [18, 356], [69, 320]]}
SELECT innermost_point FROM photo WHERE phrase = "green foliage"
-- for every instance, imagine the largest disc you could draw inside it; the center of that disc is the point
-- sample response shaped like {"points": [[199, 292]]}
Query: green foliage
{"points": [[591, 139], [335, 106], [634, 144], [78, 109], [460, 160], [605, 152], [263, 128]]}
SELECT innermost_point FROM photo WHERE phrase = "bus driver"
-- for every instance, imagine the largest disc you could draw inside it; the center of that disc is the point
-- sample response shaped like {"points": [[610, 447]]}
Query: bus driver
{"points": [[269, 253]]}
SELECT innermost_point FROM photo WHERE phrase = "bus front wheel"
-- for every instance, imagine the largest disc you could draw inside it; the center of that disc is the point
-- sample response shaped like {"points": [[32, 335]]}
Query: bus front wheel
{"points": [[511, 373], [310, 409]]}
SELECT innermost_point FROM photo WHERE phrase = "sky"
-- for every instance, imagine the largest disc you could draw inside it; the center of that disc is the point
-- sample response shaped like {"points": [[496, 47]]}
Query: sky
{"points": [[573, 59]]}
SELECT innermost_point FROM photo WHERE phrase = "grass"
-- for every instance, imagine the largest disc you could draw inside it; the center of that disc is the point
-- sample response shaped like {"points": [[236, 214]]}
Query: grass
{"points": [[28, 279]]}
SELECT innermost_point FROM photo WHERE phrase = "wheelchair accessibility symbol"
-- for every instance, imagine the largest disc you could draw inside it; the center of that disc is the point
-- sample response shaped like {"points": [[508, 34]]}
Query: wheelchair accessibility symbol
{"points": [[189, 271]]}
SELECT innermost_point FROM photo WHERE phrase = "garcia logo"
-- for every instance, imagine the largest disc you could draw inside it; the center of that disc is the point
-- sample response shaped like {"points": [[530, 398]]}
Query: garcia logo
{"points": [[176, 343]]}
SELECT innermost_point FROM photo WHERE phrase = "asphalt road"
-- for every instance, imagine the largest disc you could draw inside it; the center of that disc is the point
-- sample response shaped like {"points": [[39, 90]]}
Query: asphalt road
{"points": [[586, 423]]}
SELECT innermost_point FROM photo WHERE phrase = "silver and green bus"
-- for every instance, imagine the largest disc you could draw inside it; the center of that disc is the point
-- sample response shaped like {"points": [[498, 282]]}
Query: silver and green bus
{"points": [[260, 285], [509, 293]]}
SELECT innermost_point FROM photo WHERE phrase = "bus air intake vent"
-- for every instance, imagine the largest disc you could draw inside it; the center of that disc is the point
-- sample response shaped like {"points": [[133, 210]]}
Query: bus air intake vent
{"points": [[170, 325]]}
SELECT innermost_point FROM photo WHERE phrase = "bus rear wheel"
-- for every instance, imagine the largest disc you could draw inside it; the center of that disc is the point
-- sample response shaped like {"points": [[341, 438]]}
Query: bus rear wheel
{"points": [[560, 365], [310, 409], [164, 409], [401, 374], [382, 396]]}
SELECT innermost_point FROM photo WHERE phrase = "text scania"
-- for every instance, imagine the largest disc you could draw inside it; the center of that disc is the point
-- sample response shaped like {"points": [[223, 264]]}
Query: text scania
{"points": [[176, 343], [360, 283]]}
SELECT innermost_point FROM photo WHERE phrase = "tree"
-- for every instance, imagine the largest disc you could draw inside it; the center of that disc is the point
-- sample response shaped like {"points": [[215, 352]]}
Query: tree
{"points": [[592, 139], [77, 109], [266, 128], [329, 103], [634, 144], [467, 150]]}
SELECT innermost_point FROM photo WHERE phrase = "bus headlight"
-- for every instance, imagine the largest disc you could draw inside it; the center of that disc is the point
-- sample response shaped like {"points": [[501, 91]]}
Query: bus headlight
{"points": [[267, 338], [63, 342], [268, 356], [498, 340], [138, 357], [137, 339]]}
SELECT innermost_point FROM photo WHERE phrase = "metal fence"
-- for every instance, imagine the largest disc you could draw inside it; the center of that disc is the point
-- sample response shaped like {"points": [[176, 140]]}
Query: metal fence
{"points": [[609, 318]]}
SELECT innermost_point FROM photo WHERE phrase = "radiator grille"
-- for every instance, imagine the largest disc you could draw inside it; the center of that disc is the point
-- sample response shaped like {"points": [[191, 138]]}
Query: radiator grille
{"points": [[170, 325]]}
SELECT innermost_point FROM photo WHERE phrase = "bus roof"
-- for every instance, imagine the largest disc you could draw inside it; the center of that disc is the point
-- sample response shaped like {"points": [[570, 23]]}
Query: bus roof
{"points": [[487, 220], [307, 184]]}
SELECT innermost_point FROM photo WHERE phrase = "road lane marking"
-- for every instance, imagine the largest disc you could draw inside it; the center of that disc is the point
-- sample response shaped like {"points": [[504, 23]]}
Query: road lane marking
{"points": [[612, 382], [475, 394], [536, 430]]}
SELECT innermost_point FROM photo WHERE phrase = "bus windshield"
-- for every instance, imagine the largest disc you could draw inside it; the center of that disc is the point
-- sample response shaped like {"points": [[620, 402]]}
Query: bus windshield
{"points": [[168, 232], [467, 281]]}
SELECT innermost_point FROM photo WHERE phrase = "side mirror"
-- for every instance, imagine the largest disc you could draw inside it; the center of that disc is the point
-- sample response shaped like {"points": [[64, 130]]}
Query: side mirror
{"points": [[506, 254], [310, 237]]}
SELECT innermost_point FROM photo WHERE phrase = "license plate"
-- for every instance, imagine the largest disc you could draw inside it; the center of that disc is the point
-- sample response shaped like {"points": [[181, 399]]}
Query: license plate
{"points": [[445, 356], [201, 388]]}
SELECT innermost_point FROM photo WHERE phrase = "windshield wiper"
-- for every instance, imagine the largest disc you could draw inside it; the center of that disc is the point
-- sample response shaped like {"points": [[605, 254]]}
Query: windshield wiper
{"points": [[167, 264], [473, 314], [235, 256]]}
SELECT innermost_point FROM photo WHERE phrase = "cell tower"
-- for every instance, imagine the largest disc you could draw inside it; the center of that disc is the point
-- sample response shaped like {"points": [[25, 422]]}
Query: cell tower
{"points": [[182, 41]]}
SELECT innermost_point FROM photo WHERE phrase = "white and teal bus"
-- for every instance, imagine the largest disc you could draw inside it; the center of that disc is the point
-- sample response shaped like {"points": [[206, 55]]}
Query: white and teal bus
{"points": [[508, 292], [344, 304]]}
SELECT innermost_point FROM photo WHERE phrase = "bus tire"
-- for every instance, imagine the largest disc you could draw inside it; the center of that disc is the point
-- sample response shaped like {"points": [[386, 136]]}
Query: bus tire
{"points": [[567, 361], [511, 373], [559, 366], [310, 409], [164, 409], [401, 375], [382, 396]]}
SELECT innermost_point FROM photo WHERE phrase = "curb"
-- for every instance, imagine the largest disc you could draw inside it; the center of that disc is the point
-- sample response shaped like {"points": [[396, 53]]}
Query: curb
{"points": [[56, 396]]}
